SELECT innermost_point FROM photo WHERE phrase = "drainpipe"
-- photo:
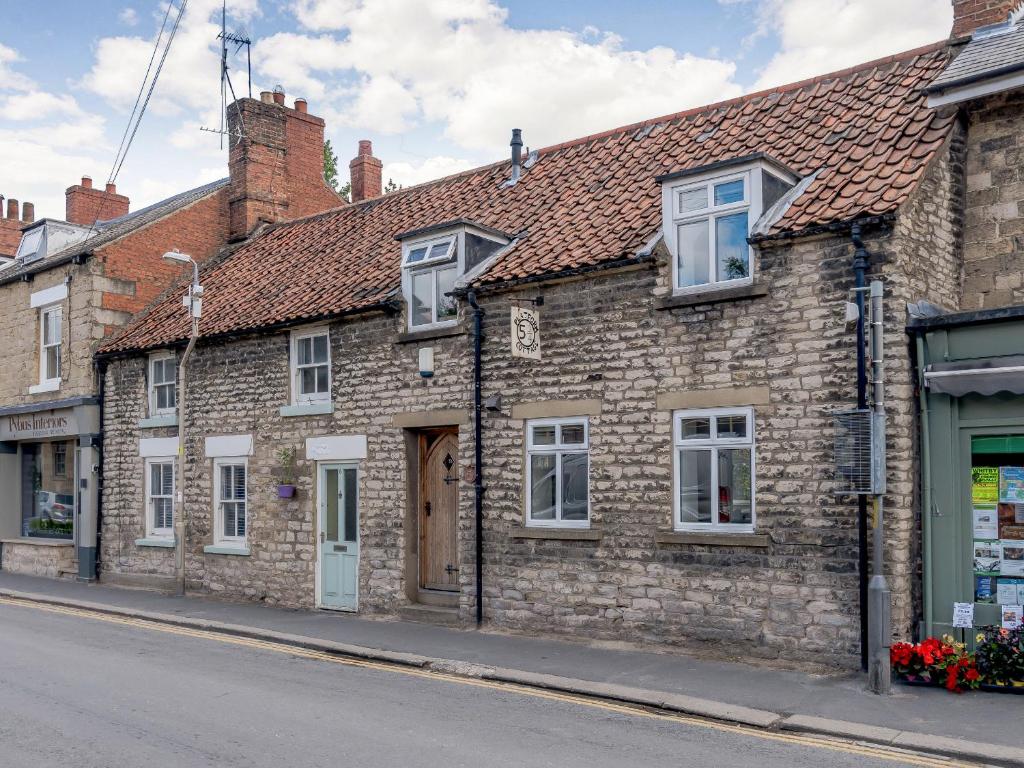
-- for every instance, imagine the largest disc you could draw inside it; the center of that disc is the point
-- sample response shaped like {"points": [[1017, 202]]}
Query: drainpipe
{"points": [[478, 480], [926, 487], [860, 266]]}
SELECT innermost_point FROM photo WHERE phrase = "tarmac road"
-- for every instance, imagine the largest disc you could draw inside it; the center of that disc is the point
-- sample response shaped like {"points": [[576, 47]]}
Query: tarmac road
{"points": [[78, 691]]}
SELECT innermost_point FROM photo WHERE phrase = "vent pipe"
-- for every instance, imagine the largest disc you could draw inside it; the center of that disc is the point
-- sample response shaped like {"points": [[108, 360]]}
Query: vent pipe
{"points": [[517, 153]]}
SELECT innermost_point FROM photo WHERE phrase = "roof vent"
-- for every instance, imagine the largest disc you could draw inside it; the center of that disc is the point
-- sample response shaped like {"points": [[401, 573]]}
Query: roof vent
{"points": [[517, 157]]}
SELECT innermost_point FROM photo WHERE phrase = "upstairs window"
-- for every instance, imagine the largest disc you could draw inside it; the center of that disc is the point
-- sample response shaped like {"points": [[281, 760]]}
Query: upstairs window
{"points": [[709, 214], [163, 374], [311, 366], [50, 337], [433, 269]]}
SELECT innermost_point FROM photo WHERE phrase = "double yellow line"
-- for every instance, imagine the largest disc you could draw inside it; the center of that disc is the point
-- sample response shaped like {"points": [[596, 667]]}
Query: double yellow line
{"points": [[816, 742]]}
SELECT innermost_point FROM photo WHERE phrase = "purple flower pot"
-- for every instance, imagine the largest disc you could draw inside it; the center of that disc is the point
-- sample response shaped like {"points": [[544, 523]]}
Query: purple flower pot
{"points": [[285, 491]]}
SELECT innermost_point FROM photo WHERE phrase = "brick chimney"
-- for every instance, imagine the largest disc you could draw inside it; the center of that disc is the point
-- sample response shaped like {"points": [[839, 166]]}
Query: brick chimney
{"points": [[85, 205], [11, 224], [365, 173], [277, 167], [968, 15]]}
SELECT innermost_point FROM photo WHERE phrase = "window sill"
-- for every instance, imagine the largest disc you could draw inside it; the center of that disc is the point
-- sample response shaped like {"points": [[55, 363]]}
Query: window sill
{"points": [[39, 541], [713, 296], [225, 549], [155, 541], [46, 386], [428, 334], [713, 538], [164, 420], [562, 534], [308, 409]]}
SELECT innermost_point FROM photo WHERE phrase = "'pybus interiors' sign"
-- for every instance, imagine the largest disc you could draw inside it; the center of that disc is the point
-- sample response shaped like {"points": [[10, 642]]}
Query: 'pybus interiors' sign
{"points": [[29, 426]]}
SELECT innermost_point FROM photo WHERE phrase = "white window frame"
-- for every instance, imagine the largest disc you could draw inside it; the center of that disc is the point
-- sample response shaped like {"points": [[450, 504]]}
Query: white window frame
{"points": [[753, 197], [294, 367], [451, 259], [558, 448], [44, 312], [713, 443], [152, 531], [153, 360], [219, 538]]}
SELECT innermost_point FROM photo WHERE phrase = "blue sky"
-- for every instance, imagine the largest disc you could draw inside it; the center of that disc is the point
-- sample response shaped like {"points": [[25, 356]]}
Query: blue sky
{"points": [[436, 85]]}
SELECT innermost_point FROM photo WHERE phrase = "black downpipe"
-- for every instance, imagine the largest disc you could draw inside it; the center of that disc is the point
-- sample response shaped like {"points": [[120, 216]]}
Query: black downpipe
{"points": [[860, 266], [478, 478]]}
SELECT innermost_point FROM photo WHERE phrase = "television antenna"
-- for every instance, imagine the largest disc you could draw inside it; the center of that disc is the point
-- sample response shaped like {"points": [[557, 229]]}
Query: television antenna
{"points": [[238, 39]]}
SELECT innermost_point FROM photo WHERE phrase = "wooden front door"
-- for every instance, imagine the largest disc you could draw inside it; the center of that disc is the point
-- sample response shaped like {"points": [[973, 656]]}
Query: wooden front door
{"points": [[439, 495]]}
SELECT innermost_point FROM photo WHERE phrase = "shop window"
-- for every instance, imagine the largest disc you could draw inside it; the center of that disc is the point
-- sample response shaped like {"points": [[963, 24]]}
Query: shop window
{"points": [[160, 497], [163, 374], [997, 505], [48, 495], [311, 366], [231, 498], [557, 473], [714, 469]]}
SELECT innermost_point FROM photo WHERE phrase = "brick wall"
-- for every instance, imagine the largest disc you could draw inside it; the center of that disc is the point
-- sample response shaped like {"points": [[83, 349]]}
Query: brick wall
{"points": [[994, 211]]}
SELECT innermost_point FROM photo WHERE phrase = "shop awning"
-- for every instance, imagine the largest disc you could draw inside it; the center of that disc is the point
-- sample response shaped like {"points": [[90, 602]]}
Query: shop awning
{"points": [[984, 377]]}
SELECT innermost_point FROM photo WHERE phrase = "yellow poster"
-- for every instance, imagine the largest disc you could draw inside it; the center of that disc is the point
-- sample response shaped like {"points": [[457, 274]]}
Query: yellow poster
{"points": [[984, 485]]}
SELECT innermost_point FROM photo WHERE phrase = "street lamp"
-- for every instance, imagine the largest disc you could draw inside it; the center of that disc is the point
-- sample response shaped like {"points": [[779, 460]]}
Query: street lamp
{"points": [[193, 300]]}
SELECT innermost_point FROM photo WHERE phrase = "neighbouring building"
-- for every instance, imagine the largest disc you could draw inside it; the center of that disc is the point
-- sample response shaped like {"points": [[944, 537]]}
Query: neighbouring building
{"points": [[72, 282], [662, 348], [11, 225]]}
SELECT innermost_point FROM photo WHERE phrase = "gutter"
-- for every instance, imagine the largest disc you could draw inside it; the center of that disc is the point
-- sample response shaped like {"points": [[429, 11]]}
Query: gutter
{"points": [[389, 306]]}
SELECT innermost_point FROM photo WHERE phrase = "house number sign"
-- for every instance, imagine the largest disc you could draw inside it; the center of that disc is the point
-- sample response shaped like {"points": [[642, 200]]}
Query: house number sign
{"points": [[525, 333]]}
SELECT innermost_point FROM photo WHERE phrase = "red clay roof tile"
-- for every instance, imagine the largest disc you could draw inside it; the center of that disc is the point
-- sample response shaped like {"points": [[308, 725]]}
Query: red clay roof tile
{"points": [[588, 201]]}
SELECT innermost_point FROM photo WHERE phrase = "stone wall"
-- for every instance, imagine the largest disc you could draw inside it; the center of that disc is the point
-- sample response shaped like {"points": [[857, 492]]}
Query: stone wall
{"points": [[994, 212], [34, 559]]}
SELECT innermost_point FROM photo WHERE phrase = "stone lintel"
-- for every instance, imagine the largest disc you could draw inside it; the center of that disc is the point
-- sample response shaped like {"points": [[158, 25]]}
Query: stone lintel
{"points": [[555, 409], [713, 398]]}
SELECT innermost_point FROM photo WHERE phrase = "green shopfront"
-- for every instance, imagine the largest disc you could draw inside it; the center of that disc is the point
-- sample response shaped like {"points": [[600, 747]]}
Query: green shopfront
{"points": [[971, 372], [49, 457]]}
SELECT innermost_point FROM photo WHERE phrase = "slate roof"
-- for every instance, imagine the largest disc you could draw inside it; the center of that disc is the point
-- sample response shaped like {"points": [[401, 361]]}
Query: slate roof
{"points": [[991, 52], [112, 229], [585, 203]]}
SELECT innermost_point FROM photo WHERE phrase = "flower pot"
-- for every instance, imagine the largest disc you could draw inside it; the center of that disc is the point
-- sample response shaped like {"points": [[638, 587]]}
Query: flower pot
{"points": [[285, 491]]}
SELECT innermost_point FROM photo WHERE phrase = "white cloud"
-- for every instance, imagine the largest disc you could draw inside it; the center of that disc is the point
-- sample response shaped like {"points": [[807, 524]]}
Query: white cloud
{"points": [[34, 105], [431, 168], [128, 17], [397, 63], [819, 36], [9, 79]]}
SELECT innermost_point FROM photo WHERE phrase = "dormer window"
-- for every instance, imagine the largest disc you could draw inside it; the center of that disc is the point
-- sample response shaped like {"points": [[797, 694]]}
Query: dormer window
{"points": [[433, 259], [433, 269], [709, 213]]}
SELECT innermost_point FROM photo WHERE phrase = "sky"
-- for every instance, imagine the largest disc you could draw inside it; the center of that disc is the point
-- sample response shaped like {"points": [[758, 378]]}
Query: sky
{"points": [[437, 85]]}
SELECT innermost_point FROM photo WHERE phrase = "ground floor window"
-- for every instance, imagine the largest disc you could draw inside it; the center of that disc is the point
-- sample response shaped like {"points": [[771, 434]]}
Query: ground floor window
{"points": [[48, 489], [997, 502], [160, 497], [714, 469], [230, 494], [557, 474]]}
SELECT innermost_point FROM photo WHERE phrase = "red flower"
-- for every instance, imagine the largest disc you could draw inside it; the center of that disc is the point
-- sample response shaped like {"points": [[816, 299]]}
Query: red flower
{"points": [[972, 674]]}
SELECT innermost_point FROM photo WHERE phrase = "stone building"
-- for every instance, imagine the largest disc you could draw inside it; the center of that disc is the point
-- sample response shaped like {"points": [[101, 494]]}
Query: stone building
{"points": [[656, 468], [73, 281]]}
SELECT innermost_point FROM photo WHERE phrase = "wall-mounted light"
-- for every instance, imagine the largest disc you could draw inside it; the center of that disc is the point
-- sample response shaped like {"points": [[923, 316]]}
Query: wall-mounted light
{"points": [[426, 362]]}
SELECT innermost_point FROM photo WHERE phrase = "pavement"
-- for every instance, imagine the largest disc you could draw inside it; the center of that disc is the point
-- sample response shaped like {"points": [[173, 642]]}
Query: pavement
{"points": [[975, 726], [116, 692]]}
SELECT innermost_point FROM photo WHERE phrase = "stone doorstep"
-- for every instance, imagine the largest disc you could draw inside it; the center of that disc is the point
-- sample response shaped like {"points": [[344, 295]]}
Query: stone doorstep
{"points": [[993, 754]]}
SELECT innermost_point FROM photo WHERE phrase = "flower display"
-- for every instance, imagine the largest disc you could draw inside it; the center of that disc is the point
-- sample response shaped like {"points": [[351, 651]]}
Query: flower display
{"points": [[998, 660]]}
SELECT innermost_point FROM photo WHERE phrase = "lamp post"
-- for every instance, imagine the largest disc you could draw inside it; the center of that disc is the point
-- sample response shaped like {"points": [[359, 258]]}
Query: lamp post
{"points": [[193, 301]]}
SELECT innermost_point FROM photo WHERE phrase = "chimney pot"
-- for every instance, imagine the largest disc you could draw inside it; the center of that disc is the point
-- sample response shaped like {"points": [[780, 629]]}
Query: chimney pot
{"points": [[279, 95], [266, 97], [12, 208], [517, 153], [87, 182], [111, 189], [300, 105], [365, 147], [28, 213]]}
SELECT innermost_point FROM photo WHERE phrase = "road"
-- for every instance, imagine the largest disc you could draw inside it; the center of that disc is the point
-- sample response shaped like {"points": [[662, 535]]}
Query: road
{"points": [[82, 691]]}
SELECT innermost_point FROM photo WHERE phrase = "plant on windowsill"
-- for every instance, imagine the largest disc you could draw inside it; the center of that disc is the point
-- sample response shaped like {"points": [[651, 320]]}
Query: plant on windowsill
{"points": [[286, 478]]}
